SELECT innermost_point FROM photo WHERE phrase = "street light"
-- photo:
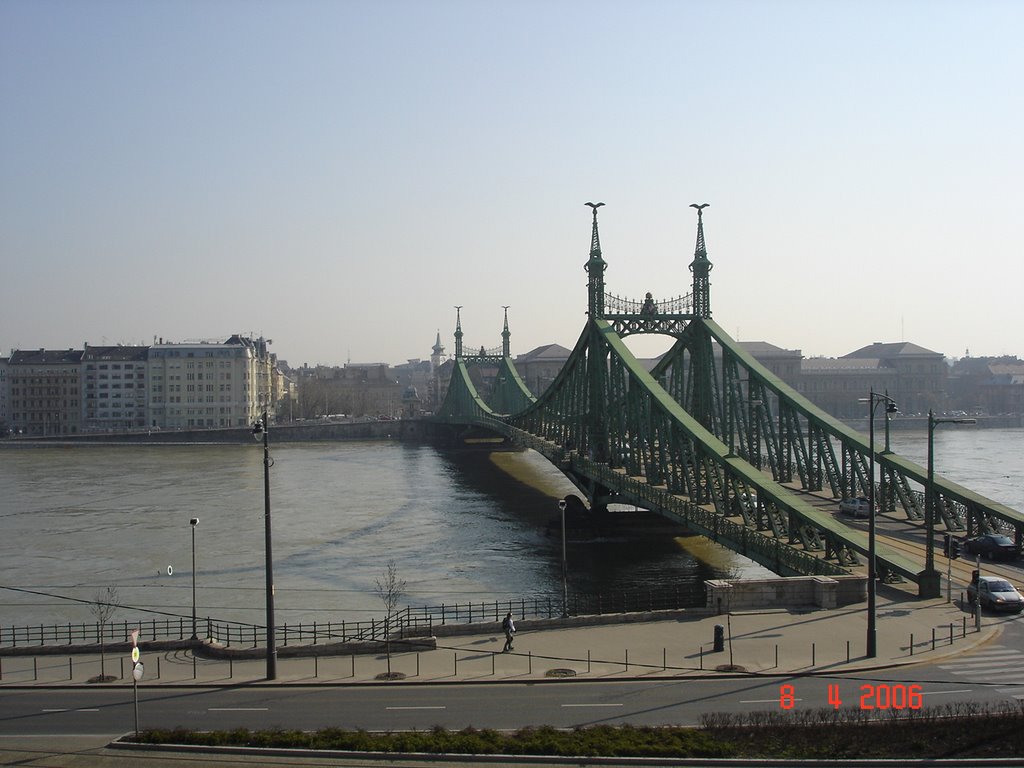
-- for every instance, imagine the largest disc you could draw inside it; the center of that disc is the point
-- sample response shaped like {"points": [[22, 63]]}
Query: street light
{"points": [[929, 582], [565, 583], [262, 428], [193, 523], [873, 400]]}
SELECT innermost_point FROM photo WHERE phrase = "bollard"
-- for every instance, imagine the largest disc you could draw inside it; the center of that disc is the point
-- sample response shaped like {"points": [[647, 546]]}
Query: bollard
{"points": [[812, 655], [71, 673], [777, 655], [316, 665], [157, 667], [588, 661], [950, 633], [193, 666], [353, 665], [911, 643], [417, 664], [964, 620], [627, 659], [455, 657], [847, 651], [530, 656], [933, 638], [664, 659], [35, 668], [231, 668], [719, 638], [492, 663], [121, 675]]}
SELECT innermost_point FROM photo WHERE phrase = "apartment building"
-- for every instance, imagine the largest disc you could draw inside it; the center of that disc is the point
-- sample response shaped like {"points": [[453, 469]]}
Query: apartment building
{"points": [[114, 388], [205, 384], [45, 391]]}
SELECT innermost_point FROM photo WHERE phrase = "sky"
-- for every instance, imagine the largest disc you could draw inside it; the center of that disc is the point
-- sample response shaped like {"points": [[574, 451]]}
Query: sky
{"points": [[338, 175]]}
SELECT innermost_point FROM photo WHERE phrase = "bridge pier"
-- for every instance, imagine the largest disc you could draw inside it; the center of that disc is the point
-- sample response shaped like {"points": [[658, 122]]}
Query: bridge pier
{"points": [[929, 584]]}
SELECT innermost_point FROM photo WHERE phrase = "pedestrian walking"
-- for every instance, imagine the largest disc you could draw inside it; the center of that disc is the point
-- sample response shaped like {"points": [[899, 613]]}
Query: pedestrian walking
{"points": [[509, 628]]}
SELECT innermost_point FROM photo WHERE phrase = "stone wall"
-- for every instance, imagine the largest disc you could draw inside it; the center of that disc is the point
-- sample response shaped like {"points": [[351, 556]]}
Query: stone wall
{"points": [[795, 591]]}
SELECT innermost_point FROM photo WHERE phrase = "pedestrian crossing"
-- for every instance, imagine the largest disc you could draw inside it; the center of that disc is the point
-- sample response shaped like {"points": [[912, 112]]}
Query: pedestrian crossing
{"points": [[997, 666]]}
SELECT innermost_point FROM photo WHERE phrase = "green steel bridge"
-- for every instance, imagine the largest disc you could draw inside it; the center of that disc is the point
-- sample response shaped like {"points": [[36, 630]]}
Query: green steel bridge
{"points": [[709, 438]]}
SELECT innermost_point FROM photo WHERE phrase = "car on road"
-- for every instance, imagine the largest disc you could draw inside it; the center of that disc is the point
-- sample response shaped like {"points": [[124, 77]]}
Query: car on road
{"points": [[993, 546], [996, 593], [856, 507]]}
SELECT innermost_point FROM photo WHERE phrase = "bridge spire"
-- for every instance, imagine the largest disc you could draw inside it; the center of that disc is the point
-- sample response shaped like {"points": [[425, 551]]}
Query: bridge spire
{"points": [[595, 267], [701, 268], [505, 336], [458, 332]]}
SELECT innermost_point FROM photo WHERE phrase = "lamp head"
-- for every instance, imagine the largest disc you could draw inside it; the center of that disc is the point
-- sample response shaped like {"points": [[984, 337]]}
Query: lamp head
{"points": [[561, 504], [890, 407], [258, 429], [194, 522]]}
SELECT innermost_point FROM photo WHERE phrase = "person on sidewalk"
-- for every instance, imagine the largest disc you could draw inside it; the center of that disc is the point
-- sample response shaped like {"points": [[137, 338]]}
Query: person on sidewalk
{"points": [[509, 627]]}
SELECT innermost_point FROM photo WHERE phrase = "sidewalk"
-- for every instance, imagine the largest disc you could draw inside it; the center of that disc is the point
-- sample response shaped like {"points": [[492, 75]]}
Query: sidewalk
{"points": [[773, 641]]}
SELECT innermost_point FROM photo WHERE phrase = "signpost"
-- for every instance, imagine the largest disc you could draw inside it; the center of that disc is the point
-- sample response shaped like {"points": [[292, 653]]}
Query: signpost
{"points": [[137, 670]]}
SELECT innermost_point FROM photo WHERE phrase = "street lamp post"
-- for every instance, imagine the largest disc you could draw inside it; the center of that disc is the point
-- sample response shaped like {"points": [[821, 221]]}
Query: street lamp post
{"points": [[565, 568], [929, 583], [193, 523], [873, 400], [262, 427]]}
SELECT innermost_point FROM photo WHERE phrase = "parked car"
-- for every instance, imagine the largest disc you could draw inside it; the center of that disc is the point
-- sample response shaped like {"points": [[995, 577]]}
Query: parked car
{"points": [[856, 507], [993, 546], [996, 593]]}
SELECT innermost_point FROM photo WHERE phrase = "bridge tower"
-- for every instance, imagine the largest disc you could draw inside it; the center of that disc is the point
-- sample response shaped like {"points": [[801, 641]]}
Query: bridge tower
{"points": [[506, 336], [458, 332], [701, 268], [597, 365]]}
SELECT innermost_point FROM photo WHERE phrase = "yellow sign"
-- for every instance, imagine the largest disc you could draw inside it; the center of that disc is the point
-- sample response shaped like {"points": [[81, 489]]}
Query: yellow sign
{"points": [[135, 654]]}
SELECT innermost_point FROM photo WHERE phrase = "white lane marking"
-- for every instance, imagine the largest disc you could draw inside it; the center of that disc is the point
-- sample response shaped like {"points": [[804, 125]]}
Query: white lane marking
{"points": [[764, 701], [591, 705], [442, 707], [72, 710], [945, 693], [238, 709]]}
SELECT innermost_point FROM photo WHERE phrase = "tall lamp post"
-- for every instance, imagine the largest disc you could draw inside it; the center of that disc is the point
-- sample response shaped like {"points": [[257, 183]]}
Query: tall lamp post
{"points": [[262, 428], [193, 523], [565, 583], [873, 400], [929, 582]]}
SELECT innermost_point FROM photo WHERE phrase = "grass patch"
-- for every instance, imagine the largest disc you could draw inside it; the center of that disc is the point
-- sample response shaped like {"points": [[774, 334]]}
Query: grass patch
{"points": [[954, 731]]}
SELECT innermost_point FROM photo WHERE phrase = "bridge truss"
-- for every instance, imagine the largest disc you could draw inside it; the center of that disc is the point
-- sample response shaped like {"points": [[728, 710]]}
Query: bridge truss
{"points": [[709, 438]]}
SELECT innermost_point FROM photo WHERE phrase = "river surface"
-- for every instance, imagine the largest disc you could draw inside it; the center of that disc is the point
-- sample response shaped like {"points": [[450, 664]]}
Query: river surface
{"points": [[459, 526]]}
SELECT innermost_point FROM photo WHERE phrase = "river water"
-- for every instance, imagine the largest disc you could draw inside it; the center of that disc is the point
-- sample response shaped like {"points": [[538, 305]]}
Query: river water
{"points": [[459, 526]]}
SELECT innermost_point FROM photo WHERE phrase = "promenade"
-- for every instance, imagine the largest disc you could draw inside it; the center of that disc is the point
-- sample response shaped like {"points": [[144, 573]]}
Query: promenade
{"points": [[770, 641], [638, 646]]}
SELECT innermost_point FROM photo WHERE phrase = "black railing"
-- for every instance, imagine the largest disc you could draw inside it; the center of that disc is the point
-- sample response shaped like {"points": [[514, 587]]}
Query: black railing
{"points": [[410, 622]]}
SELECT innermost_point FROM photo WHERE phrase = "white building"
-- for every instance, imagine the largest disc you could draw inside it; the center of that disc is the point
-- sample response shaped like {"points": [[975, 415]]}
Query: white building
{"points": [[199, 385]]}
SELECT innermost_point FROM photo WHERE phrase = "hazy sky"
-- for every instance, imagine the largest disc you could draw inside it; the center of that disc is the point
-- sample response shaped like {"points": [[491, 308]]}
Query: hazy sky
{"points": [[337, 175]]}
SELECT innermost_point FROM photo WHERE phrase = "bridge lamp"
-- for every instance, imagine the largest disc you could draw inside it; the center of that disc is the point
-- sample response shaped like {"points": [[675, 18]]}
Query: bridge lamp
{"points": [[873, 400], [192, 524], [929, 583], [261, 429], [565, 582]]}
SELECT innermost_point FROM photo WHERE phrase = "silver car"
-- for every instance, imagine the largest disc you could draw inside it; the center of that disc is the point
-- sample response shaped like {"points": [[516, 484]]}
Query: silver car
{"points": [[996, 593]]}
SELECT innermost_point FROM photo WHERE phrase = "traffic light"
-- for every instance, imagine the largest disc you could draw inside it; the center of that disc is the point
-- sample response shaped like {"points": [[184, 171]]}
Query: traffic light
{"points": [[954, 548], [945, 544]]}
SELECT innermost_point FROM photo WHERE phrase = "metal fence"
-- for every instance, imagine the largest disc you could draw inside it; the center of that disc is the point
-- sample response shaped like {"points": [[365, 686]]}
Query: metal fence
{"points": [[410, 622]]}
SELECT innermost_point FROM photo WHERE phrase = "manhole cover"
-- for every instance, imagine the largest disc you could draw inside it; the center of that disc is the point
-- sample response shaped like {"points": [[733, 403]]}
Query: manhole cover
{"points": [[730, 668], [391, 676], [560, 673]]}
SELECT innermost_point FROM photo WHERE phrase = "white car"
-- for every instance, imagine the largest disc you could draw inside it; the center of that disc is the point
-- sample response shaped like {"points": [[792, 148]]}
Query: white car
{"points": [[856, 507], [996, 593]]}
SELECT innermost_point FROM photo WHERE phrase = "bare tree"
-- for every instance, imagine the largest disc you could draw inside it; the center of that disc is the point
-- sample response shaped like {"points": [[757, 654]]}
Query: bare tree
{"points": [[103, 606], [390, 589]]}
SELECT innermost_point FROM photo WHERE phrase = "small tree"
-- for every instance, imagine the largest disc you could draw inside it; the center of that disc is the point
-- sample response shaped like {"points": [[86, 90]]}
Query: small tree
{"points": [[390, 589], [104, 603]]}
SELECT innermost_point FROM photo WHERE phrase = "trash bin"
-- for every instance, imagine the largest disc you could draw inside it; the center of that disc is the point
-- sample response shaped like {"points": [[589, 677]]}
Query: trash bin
{"points": [[719, 638]]}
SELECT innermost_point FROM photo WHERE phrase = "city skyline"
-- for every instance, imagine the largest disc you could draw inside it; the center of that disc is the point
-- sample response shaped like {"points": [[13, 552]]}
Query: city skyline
{"points": [[338, 176]]}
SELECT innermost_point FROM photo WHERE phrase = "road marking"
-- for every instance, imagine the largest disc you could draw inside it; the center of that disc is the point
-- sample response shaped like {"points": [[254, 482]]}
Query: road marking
{"points": [[442, 707], [591, 705], [72, 710], [946, 693], [764, 701], [238, 709]]}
